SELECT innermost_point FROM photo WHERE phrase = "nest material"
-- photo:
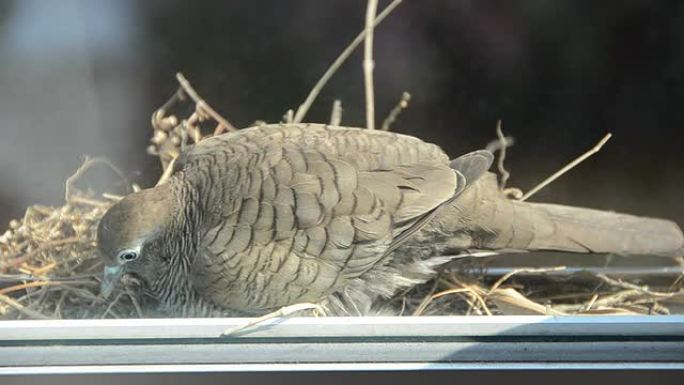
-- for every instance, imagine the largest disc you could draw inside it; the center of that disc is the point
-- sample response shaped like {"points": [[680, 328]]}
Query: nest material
{"points": [[49, 268]]}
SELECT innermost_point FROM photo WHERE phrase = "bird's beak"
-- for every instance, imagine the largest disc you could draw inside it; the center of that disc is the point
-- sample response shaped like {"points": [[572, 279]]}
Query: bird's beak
{"points": [[112, 274]]}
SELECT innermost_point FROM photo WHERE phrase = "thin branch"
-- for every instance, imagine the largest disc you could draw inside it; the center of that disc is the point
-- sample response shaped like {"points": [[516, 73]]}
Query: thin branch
{"points": [[476, 291], [87, 164], [203, 106], [495, 145], [636, 288], [167, 171], [567, 167], [21, 308], [288, 117], [503, 279], [401, 105], [17, 260], [134, 301], [369, 64], [591, 302], [502, 156], [111, 305], [160, 121], [428, 300], [280, 313], [112, 197], [89, 202], [304, 107], [336, 114], [27, 285]]}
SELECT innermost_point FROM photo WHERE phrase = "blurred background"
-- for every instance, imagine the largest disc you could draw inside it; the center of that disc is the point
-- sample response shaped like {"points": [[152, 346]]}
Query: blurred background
{"points": [[83, 77]]}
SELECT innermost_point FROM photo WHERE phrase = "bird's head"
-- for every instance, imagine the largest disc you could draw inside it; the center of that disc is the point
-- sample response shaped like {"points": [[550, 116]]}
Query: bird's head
{"points": [[132, 237]]}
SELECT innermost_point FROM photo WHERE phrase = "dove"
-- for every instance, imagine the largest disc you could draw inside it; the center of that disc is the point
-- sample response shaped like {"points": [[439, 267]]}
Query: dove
{"points": [[275, 215]]}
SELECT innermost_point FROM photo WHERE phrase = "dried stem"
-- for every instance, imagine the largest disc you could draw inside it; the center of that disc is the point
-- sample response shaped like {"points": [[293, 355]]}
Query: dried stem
{"points": [[567, 167], [304, 107], [636, 288], [27, 285], [282, 312], [394, 113], [21, 308], [369, 64], [134, 301], [167, 171], [18, 260], [202, 106], [336, 114], [503, 279], [502, 156], [288, 117], [476, 292], [159, 120], [87, 164], [426, 300], [432, 297], [89, 201]]}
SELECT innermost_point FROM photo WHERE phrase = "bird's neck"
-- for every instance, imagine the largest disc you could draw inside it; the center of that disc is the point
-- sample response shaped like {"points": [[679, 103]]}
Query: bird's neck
{"points": [[180, 243], [184, 228]]}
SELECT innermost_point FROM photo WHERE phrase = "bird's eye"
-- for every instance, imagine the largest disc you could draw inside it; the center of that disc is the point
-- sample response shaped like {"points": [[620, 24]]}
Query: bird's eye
{"points": [[128, 255]]}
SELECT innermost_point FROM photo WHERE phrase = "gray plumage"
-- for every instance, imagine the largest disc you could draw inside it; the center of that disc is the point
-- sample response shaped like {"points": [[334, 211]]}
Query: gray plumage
{"points": [[280, 214]]}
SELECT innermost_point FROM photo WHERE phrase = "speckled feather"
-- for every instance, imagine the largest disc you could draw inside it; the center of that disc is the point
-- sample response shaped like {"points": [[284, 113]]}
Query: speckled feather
{"points": [[292, 213]]}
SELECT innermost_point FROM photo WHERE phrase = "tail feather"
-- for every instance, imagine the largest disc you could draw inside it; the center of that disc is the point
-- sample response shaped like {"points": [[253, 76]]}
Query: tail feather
{"points": [[586, 230], [482, 218]]}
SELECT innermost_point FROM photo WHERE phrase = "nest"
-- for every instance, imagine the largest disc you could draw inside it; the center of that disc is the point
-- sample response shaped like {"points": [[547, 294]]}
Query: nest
{"points": [[49, 268]]}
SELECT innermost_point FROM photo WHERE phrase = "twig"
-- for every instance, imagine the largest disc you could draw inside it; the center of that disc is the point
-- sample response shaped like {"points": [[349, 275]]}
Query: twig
{"points": [[567, 167], [476, 292], [369, 64], [111, 304], [87, 164], [288, 117], [18, 260], [167, 171], [426, 300], [503, 279], [112, 197], [203, 106], [591, 302], [159, 121], [21, 308], [423, 305], [27, 285], [640, 289], [401, 105], [89, 202], [403, 307], [502, 156], [134, 301], [58, 306], [42, 270], [336, 114], [495, 145], [282, 312], [304, 107]]}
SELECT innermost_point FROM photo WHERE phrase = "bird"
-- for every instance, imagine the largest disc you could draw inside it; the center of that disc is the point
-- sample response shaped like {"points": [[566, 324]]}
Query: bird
{"points": [[280, 214]]}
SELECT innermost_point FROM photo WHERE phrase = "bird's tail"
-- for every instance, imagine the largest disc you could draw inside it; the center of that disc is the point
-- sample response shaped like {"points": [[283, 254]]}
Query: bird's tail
{"points": [[577, 229], [482, 218]]}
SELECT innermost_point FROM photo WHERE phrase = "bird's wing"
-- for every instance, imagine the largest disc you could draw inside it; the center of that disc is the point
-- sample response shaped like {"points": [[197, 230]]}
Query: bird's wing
{"points": [[325, 205]]}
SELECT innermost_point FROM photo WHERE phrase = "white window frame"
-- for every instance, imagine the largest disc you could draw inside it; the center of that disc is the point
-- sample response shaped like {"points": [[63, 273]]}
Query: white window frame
{"points": [[362, 343]]}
